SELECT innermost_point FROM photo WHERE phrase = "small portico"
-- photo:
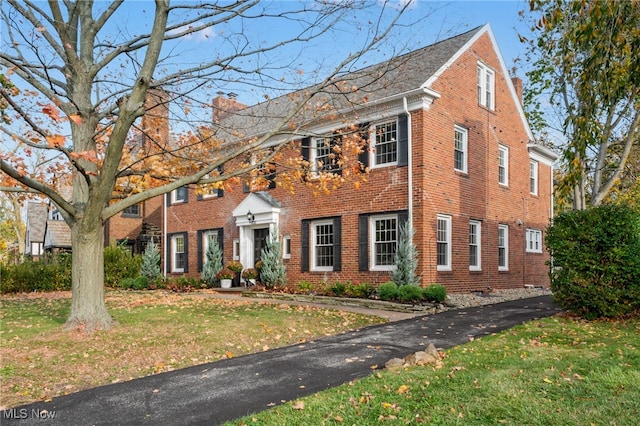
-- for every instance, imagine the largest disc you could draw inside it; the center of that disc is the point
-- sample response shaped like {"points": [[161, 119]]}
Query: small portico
{"points": [[256, 216]]}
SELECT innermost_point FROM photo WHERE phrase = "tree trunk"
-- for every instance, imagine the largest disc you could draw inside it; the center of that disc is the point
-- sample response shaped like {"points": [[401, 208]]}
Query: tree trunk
{"points": [[88, 309]]}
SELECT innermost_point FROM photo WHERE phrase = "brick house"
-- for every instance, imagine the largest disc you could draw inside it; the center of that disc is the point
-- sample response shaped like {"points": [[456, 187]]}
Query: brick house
{"points": [[449, 149]]}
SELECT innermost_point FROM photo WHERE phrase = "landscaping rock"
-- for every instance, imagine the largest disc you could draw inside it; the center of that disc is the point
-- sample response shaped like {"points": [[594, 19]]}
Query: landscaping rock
{"points": [[419, 358]]}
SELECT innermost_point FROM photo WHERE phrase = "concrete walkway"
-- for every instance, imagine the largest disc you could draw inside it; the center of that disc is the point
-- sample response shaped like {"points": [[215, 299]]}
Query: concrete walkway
{"points": [[213, 393]]}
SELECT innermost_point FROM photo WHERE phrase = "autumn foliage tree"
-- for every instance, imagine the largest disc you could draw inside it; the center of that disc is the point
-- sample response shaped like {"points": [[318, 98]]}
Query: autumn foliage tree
{"points": [[87, 76], [586, 73]]}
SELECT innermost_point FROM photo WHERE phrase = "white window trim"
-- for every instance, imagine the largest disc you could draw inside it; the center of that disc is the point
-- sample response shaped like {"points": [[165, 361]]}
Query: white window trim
{"points": [[236, 249], [505, 150], [174, 197], [447, 220], [312, 237], [465, 147], [372, 241], [478, 244], [533, 177], [374, 138], [174, 253], [483, 72], [286, 244], [534, 240], [505, 229]]}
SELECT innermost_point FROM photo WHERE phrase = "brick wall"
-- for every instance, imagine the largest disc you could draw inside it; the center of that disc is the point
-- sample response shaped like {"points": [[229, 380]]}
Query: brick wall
{"points": [[438, 189]]}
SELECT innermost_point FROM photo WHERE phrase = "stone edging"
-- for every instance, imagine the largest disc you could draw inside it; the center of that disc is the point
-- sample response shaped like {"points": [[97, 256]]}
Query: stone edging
{"points": [[349, 301]]}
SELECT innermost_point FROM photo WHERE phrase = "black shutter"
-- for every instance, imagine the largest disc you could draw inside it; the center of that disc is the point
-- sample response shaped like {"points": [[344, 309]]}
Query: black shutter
{"points": [[403, 218], [200, 251], [337, 244], [271, 175], [363, 157], [363, 243], [304, 245], [168, 250], [186, 194], [221, 240], [336, 140], [245, 186], [167, 198], [220, 191], [186, 252], [199, 197], [304, 148], [403, 140]]}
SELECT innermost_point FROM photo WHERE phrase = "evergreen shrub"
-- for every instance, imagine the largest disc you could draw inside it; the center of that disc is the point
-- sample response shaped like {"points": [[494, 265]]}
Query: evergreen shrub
{"points": [[434, 293], [388, 291], [595, 269]]}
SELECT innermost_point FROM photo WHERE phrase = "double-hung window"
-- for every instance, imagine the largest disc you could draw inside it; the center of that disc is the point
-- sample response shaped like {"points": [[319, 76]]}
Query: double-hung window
{"points": [[322, 247], [384, 241], [503, 165], [132, 211], [323, 156], [474, 245], [178, 244], [443, 242], [460, 149], [179, 195], [486, 86], [534, 241], [385, 143], [533, 177], [503, 247]]}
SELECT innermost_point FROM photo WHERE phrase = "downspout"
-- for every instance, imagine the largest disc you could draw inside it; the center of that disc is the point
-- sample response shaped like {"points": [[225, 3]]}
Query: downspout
{"points": [[409, 162], [164, 231]]}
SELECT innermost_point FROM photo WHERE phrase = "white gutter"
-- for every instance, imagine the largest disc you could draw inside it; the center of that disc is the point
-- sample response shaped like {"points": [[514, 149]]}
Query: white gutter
{"points": [[409, 161]]}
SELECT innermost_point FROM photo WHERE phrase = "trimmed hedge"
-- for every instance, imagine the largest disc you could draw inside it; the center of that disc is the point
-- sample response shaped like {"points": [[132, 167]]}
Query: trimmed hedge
{"points": [[435, 293], [31, 276], [595, 270]]}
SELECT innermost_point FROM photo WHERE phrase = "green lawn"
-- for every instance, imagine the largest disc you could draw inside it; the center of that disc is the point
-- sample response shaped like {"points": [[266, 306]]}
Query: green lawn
{"points": [[157, 331], [556, 371]]}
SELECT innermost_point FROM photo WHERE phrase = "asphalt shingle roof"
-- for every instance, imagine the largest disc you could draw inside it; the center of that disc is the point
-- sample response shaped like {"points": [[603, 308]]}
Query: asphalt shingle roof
{"points": [[398, 75]]}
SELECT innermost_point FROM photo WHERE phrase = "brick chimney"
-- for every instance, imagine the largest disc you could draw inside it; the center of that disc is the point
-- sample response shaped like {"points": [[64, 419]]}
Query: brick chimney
{"points": [[224, 105], [155, 121], [517, 84]]}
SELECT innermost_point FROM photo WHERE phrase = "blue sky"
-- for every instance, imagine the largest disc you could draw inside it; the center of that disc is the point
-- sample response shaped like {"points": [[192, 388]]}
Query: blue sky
{"points": [[443, 20]]}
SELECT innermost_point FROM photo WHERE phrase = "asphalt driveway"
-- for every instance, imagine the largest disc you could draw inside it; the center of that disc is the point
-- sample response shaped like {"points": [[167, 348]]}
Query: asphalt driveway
{"points": [[213, 393]]}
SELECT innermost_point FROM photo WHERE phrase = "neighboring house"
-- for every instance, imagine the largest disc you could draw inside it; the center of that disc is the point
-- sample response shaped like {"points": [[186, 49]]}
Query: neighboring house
{"points": [[445, 124], [134, 227], [35, 228], [57, 237]]}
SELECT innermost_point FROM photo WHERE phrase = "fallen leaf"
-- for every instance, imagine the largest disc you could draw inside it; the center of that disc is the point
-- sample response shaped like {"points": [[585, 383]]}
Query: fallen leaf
{"points": [[403, 389], [298, 405]]}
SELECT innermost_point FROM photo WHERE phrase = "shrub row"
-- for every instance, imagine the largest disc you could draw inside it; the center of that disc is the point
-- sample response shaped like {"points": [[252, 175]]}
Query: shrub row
{"points": [[30, 276], [54, 274], [390, 291]]}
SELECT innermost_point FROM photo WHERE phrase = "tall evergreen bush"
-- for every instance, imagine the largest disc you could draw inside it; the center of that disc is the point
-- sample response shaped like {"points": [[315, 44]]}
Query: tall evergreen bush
{"points": [[406, 259], [595, 269], [273, 272], [213, 263], [150, 267]]}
